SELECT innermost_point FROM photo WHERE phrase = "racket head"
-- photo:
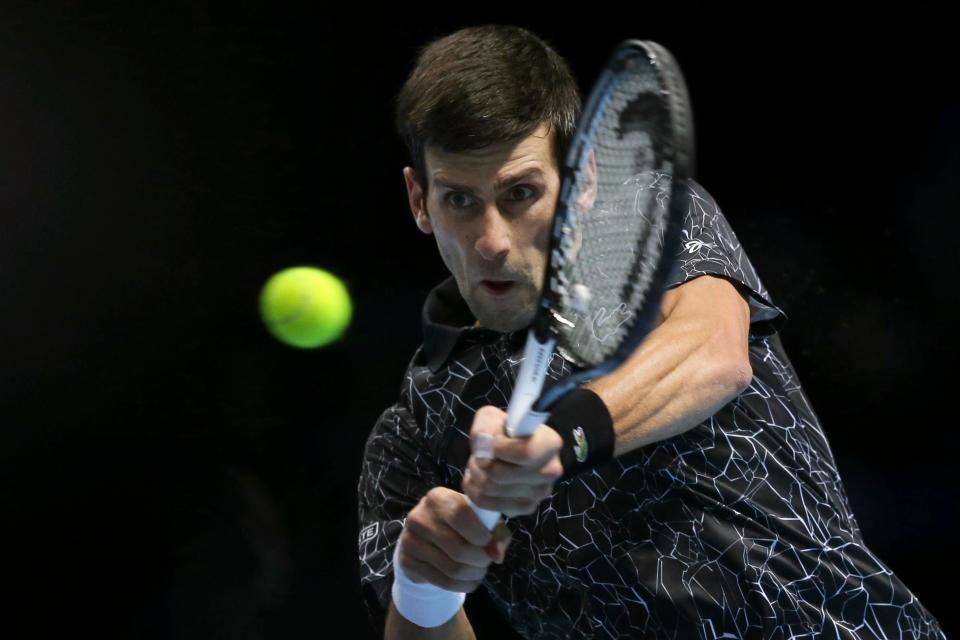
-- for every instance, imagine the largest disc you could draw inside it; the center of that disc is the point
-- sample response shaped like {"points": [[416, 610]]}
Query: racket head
{"points": [[618, 216]]}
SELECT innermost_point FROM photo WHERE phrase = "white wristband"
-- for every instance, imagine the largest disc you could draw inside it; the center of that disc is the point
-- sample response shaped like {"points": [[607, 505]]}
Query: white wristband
{"points": [[422, 603]]}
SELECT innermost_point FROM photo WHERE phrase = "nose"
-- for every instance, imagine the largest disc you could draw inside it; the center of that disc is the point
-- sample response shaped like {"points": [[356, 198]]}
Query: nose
{"points": [[494, 240]]}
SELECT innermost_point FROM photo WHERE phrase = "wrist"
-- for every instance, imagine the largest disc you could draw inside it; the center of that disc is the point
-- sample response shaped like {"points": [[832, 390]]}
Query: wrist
{"points": [[586, 427], [422, 603]]}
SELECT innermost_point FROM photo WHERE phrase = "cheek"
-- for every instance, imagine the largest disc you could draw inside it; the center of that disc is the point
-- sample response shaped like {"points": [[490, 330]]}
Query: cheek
{"points": [[452, 240], [541, 237], [451, 250]]}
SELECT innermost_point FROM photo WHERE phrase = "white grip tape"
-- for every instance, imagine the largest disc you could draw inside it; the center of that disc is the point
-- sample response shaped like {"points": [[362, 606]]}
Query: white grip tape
{"points": [[531, 421], [422, 603], [533, 370]]}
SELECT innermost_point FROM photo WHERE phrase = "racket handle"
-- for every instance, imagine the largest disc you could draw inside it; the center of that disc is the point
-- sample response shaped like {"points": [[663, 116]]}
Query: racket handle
{"points": [[422, 603], [521, 421]]}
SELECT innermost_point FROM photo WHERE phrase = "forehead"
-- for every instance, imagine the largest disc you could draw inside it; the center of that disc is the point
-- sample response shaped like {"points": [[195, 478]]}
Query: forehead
{"points": [[493, 161]]}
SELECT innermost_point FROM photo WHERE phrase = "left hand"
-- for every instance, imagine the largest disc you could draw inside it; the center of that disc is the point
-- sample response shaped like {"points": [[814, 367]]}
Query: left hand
{"points": [[521, 472]]}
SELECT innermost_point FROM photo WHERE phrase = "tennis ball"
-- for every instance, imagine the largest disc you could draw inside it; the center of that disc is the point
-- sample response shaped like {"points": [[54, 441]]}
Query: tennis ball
{"points": [[305, 307]]}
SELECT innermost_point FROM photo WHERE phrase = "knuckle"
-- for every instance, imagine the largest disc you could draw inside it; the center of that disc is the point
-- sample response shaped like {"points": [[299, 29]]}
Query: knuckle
{"points": [[434, 497], [416, 525], [489, 412]]}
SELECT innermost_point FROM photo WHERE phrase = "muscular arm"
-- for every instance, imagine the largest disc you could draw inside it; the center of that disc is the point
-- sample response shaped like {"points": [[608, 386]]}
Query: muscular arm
{"points": [[399, 628], [692, 364]]}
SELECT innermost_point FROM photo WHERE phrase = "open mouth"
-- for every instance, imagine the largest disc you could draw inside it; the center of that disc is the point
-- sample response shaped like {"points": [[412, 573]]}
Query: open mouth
{"points": [[497, 287]]}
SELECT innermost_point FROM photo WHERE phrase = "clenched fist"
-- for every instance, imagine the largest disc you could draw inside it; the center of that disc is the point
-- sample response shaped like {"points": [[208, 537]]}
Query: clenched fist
{"points": [[444, 542], [510, 475]]}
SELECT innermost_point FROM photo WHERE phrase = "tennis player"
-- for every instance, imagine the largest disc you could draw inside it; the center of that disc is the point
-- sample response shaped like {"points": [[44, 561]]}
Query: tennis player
{"points": [[692, 493]]}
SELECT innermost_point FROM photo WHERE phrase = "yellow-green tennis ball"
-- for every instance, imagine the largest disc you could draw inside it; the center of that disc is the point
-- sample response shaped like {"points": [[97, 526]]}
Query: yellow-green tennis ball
{"points": [[305, 307]]}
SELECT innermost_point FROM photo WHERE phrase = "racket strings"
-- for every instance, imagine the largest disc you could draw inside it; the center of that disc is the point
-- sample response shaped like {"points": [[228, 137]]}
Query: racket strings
{"points": [[612, 244]]}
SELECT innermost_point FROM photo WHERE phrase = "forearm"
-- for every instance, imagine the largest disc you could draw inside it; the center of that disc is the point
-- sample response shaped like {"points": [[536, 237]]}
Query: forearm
{"points": [[399, 628], [679, 376]]}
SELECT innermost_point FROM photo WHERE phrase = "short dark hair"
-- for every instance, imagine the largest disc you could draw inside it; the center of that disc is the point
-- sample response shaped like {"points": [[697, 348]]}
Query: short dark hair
{"points": [[485, 85]]}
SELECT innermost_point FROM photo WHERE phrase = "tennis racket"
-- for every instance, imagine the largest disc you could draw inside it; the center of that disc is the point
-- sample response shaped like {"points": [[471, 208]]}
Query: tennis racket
{"points": [[612, 246], [616, 228]]}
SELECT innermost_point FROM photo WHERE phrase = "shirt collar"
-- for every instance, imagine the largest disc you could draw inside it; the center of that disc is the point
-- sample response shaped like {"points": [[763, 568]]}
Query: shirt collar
{"points": [[446, 320]]}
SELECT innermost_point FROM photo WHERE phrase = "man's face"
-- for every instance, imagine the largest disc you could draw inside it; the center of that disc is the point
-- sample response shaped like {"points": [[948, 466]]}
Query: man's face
{"points": [[491, 212]]}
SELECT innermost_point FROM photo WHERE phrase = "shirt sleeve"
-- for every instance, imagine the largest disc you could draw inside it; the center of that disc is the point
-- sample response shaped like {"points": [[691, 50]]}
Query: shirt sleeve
{"points": [[708, 246], [395, 474]]}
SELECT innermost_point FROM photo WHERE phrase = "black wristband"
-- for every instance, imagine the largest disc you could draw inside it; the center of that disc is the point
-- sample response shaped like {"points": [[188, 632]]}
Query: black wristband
{"points": [[584, 422]]}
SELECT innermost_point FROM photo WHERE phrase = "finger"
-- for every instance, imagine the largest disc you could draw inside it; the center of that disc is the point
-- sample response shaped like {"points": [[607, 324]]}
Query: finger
{"points": [[488, 423], [534, 450], [489, 420], [507, 473], [509, 506], [420, 571], [497, 549], [446, 539], [452, 509], [483, 447], [427, 552], [530, 490]]}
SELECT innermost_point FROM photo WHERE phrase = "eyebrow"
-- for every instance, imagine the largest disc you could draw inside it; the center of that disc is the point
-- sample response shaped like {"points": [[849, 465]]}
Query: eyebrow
{"points": [[501, 183]]}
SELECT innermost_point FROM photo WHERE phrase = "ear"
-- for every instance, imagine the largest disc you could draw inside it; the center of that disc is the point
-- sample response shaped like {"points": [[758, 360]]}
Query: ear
{"points": [[417, 200]]}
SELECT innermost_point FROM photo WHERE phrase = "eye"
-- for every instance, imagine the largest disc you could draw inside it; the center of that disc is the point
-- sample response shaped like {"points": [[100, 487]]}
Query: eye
{"points": [[459, 200], [521, 192]]}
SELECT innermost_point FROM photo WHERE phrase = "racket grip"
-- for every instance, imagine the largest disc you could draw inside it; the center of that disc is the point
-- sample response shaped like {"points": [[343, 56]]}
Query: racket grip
{"points": [[521, 420], [422, 603]]}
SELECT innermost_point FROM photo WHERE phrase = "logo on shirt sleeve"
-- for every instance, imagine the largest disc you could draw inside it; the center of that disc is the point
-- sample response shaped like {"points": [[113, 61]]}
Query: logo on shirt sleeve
{"points": [[369, 532], [693, 246]]}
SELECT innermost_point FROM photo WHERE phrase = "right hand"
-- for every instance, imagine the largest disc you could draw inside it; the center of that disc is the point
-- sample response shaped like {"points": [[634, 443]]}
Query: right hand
{"points": [[444, 543]]}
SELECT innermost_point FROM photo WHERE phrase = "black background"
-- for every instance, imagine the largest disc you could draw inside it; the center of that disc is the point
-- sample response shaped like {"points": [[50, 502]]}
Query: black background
{"points": [[169, 470]]}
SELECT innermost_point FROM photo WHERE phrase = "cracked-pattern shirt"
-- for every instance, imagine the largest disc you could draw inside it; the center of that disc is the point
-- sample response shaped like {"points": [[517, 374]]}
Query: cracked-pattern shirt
{"points": [[738, 528]]}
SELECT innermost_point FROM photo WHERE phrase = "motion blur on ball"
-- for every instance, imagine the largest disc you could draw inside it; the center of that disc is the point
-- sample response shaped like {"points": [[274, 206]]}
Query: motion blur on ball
{"points": [[305, 307]]}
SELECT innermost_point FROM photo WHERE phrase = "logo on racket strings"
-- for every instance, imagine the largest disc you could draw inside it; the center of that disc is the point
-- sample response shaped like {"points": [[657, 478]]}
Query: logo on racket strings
{"points": [[605, 324]]}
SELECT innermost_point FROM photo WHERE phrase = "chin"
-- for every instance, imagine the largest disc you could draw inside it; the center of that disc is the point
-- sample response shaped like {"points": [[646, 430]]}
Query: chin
{"points": [[500, 324], [504, 320]]}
